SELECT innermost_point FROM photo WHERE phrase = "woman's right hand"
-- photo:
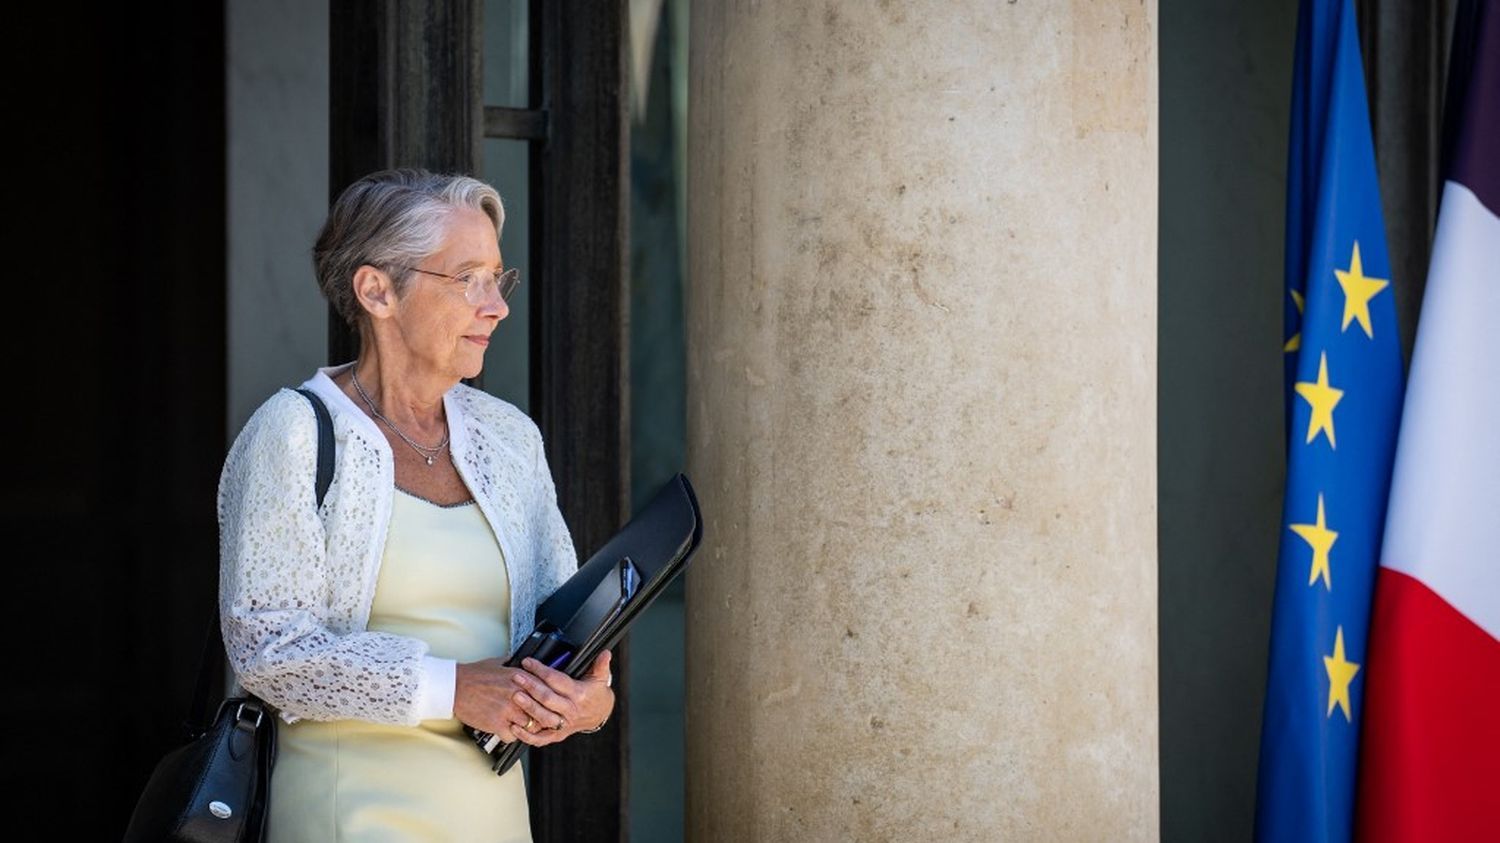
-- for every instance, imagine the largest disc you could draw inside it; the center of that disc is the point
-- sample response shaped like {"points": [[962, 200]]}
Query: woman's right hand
{"points": [[484, 697]]}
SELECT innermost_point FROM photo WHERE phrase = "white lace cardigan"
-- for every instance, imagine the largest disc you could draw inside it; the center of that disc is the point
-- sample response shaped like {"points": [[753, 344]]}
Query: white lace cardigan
{"points": [[296, 581]]}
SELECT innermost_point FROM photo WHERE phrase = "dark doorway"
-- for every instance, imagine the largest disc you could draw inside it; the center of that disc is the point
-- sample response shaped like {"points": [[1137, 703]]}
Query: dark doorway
{"points": [[115, 397]]}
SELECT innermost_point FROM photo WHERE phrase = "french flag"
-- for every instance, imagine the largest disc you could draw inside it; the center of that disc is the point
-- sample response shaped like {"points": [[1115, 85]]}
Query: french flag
{"points": [[1430, 754]]}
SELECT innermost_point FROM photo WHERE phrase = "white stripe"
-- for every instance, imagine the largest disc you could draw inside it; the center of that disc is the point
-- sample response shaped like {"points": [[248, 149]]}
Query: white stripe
{"points": [[1443, 525]]}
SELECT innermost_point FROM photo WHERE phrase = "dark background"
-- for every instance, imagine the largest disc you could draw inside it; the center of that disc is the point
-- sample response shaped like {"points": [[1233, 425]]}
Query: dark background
{"points": [[114, 369]]}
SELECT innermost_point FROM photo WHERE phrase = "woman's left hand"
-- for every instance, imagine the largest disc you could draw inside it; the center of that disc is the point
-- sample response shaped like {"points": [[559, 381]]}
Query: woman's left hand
{"points": [[561, 705]]}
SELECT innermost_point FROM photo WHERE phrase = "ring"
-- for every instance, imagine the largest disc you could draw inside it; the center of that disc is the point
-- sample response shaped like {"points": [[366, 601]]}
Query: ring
{"points": [[530, 721], [560, 723]]}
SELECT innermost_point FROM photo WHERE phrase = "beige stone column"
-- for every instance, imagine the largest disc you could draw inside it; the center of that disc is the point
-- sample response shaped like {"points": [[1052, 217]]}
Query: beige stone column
{"points": [[922, 420]]}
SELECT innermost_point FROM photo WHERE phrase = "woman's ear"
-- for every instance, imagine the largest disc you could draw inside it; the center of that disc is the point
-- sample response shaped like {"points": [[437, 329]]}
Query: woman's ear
{"points": [[374, 290]]}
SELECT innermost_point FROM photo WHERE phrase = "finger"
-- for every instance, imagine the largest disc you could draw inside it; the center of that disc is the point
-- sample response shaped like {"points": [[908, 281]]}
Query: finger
{"points": [[546, 717], [562, 703], [514, 714], [599, 670], [504, 733], [508, 715], [525, 731], [541, 738], [555, 679]]}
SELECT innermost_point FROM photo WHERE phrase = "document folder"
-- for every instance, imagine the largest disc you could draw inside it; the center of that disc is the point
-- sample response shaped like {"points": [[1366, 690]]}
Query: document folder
{"points": [[595, 607]]}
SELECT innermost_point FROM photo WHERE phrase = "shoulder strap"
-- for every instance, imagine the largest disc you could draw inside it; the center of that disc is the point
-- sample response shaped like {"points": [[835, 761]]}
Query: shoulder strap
{"points": [[214, 642], [325, 443]]}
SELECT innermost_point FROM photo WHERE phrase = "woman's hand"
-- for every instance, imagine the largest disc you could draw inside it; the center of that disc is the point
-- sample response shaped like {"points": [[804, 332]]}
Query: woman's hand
{"points": [[559, 705], [484, 697]]}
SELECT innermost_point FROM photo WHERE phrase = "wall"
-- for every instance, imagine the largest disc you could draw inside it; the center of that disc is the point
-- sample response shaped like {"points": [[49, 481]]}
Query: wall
{"points": [[276, 82], [1226, 71]]}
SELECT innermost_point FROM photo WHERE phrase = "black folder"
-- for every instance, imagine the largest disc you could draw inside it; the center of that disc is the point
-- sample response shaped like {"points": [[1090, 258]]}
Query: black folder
{"points": [[595, 607]]}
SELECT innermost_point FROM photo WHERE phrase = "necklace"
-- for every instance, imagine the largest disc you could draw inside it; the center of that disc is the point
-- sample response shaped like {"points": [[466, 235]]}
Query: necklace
{"points": [[427, 453]]}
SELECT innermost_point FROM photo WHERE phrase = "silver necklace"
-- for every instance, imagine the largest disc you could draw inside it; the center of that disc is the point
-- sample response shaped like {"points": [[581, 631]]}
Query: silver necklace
{"points": [[427, 453]]}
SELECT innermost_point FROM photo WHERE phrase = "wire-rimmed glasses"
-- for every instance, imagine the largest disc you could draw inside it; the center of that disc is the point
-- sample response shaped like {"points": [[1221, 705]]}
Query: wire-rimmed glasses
{"points": [[479, 284]]}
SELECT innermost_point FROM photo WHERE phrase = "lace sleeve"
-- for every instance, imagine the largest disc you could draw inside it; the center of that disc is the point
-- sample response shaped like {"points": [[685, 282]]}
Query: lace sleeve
{"points": [[275, 584], [557, 559]]}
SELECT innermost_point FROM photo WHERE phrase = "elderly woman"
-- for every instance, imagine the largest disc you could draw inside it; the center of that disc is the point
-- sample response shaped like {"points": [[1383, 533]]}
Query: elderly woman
{"points": [[378, 623]]}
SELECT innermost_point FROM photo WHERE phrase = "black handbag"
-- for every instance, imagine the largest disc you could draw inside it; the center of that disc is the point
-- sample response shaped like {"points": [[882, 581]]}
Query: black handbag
{"points": [[217, 787]]}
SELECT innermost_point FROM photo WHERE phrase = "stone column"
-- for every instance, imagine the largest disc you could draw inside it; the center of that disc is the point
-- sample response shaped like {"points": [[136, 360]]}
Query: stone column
{"points": [[922, 420]]}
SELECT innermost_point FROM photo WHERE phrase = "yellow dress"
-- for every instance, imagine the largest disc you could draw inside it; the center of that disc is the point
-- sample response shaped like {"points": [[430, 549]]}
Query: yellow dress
{"points": [[442, 579]]}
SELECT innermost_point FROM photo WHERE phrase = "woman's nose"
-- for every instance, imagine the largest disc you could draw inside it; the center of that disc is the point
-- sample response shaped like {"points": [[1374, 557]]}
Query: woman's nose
{"points": [[494, 306]]}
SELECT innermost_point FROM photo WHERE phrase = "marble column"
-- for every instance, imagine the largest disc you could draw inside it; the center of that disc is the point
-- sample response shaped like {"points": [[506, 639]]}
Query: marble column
{"points": [[922, 420]]}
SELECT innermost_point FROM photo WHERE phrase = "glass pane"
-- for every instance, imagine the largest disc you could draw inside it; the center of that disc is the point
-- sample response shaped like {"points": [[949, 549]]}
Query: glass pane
{"points": [[658, 411], [507, 362], [506, 57]]}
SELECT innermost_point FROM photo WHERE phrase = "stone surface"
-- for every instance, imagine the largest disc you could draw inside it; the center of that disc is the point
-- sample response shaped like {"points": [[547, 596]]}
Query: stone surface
{"points": [[276, 92], [921, 397]]}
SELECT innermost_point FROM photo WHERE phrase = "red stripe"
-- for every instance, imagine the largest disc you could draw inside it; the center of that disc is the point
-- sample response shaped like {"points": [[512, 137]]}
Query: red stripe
{"points": [[1430, 754]]}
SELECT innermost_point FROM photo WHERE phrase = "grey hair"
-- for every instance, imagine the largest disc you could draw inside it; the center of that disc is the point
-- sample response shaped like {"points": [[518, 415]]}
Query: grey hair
{"points": [[391, 219]]}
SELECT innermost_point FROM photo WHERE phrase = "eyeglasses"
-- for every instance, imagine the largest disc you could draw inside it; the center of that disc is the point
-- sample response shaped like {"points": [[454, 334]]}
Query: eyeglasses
{"points": [[479, 284]]}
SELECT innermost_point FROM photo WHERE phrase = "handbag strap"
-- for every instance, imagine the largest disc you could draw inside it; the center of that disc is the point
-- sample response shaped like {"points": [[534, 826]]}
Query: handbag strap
{"points": [[325, 443], [214, 641]]}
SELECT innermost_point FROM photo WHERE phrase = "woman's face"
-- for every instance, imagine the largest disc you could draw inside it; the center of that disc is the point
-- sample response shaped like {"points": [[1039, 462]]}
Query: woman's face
{"points": [[441, 330]]}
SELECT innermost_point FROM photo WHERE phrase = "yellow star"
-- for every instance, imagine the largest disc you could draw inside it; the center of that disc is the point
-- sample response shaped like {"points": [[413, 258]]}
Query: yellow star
{"points": [[1321, 539], [1322, 398], [1296, 341], [1340, 674], [1358, 290]]}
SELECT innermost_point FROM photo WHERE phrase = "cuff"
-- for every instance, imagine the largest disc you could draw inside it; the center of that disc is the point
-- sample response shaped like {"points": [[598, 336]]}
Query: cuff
{"points": [[435, 690]]}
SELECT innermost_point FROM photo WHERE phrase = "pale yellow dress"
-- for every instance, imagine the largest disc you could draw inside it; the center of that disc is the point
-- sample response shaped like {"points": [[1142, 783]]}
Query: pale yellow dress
{"points": [[442, 579]]}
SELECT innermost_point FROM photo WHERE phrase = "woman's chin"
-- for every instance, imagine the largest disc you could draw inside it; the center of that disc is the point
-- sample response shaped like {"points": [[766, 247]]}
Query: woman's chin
{"points": [[469, 362], [471, 368]]}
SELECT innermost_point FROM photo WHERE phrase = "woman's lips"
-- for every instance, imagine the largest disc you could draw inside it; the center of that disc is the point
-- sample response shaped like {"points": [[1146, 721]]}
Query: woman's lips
{"points": [[480, 340]]}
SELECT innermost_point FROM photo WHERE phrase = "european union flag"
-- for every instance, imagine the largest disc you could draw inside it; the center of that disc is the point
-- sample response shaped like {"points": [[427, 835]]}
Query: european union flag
{"points": [[1344, 386]]}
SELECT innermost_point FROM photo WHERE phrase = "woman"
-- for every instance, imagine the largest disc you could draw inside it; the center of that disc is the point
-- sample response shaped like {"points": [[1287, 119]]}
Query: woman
{"points": [[378, 624]]}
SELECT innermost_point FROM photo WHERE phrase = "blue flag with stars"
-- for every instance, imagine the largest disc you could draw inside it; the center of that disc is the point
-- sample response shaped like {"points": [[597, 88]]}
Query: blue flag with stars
{"points": [[1344, 389]]}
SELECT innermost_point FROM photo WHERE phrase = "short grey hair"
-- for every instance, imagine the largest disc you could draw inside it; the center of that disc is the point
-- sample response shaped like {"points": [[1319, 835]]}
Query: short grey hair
{"points": [[391, 219]]}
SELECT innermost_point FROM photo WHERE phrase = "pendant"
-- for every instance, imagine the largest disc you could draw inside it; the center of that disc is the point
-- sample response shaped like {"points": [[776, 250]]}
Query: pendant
{"points": [[429, 460]]}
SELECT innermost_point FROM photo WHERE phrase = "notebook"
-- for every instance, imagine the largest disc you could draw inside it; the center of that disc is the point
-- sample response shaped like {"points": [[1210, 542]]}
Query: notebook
{"points": [[595, 607]]}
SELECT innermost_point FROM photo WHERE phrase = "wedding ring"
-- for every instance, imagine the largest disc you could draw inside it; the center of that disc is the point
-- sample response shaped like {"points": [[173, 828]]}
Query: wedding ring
{"points": [[530, 721]]}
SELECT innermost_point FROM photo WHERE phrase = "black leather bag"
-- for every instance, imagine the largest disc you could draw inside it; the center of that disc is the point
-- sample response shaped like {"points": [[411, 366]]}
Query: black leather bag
{"points": [[217, 787]]}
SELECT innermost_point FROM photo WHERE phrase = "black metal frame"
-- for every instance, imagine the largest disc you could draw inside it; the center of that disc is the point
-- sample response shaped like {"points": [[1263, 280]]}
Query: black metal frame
{"points": [[405, 90], [580, 353]]}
